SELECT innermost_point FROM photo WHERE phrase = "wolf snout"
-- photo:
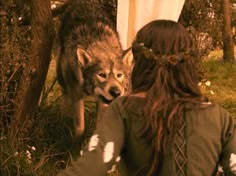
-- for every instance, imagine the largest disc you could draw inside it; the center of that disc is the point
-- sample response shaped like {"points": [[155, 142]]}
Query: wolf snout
{"points": [[115, 91]]}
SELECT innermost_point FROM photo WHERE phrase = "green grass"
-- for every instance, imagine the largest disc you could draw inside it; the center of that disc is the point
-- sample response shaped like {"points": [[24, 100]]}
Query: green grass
{"points": [[222, 77], [51, 133]]}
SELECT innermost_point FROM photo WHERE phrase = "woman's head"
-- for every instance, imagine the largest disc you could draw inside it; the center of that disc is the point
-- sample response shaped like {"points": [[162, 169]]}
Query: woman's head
{"points": [[161, 44], [165, 37]]}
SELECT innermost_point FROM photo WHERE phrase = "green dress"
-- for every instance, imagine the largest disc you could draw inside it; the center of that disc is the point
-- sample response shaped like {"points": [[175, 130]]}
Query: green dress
{"points": [[206, 139]]}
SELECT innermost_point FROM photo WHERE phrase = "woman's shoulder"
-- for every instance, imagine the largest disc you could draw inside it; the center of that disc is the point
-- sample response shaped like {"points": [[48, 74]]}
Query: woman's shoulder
{"points": [[216, 108], [130, 99], [213, 112], [128, 104]]}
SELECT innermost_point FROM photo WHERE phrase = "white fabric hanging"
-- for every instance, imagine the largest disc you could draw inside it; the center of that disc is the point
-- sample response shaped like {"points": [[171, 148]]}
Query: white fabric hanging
{"points": [[132, 15]]}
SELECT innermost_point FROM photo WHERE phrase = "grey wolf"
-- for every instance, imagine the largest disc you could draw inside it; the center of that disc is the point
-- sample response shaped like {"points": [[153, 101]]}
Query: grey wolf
{"points": [[91, 60]]}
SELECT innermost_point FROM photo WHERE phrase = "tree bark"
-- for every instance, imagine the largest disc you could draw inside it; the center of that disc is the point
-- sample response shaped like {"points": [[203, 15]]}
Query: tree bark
{"points": [[38, 64], [228, 44]]}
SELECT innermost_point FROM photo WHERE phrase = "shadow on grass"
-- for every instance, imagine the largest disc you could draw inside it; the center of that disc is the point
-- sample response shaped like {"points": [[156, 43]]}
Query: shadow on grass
{"points": [[59, 130], [47, 146]]}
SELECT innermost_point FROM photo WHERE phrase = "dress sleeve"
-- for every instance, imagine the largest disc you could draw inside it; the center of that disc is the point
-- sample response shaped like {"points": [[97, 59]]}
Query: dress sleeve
{"points": [[101, 154], [228, 157]]}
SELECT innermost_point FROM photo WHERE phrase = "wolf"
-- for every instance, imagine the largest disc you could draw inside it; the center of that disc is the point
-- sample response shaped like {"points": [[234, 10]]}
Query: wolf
{"points": [[91, 61]]}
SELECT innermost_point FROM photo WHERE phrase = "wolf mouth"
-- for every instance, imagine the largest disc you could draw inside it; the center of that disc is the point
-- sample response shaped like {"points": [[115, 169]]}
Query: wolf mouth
{"points": [[104, 100]]}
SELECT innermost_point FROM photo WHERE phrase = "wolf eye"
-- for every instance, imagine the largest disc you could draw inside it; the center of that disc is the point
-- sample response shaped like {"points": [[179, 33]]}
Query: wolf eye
{"points": [[119, 75], [103, 75]]}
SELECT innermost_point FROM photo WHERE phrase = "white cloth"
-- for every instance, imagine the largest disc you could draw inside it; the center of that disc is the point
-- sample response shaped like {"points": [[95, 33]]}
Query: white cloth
{"points": [[132, 15]]}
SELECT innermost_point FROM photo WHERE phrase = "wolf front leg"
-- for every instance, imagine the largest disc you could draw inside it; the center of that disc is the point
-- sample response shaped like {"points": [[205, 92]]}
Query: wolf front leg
{"points": [[79, 117]]}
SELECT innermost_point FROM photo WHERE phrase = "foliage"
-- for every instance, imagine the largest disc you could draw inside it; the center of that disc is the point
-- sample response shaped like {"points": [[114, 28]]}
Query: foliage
{"points": [[204, 20], [14, 56]]}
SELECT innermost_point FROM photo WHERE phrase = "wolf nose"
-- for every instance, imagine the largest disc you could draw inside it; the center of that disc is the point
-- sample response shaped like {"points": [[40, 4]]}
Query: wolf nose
{"points": [[114, 91]]}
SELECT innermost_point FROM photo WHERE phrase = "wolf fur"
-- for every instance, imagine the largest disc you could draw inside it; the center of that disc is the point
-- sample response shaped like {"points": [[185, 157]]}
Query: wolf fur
{"points": [[91, 60]]}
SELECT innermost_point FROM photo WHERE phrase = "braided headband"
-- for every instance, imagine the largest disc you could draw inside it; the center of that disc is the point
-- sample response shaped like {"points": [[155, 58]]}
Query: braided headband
{"points": [[172, 59]]}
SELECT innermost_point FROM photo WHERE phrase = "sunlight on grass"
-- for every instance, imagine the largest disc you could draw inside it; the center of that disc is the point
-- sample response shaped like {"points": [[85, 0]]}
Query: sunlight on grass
{"points": [[215, 55], [218, 54]]}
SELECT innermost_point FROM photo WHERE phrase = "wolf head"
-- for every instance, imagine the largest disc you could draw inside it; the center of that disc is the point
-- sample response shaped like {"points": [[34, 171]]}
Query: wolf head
{"points": [[104, 71]]}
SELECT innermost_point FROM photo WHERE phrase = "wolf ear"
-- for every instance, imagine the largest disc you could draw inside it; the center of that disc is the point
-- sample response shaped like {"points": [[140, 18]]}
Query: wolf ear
{"points": [[128, 57], [83, 57]]}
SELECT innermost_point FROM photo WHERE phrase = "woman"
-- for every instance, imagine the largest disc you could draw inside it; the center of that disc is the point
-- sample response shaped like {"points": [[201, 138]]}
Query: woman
{"points": [[165, 127]]}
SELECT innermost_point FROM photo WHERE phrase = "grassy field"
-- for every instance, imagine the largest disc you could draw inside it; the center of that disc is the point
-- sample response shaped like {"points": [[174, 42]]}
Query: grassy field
{"points": [[220, 83], [48, 145]]}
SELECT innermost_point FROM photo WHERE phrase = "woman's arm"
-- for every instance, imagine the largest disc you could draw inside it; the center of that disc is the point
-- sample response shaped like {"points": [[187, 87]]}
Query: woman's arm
{"points": [[229, 146], [101, 154]]}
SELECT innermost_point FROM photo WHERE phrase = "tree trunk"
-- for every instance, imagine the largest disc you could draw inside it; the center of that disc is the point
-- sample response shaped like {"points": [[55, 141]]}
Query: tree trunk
{"points": [[228, 44], [38, 64]]}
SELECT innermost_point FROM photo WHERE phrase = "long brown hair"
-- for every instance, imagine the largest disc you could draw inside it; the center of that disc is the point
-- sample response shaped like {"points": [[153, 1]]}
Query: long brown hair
{"points": [[166, 68]]}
